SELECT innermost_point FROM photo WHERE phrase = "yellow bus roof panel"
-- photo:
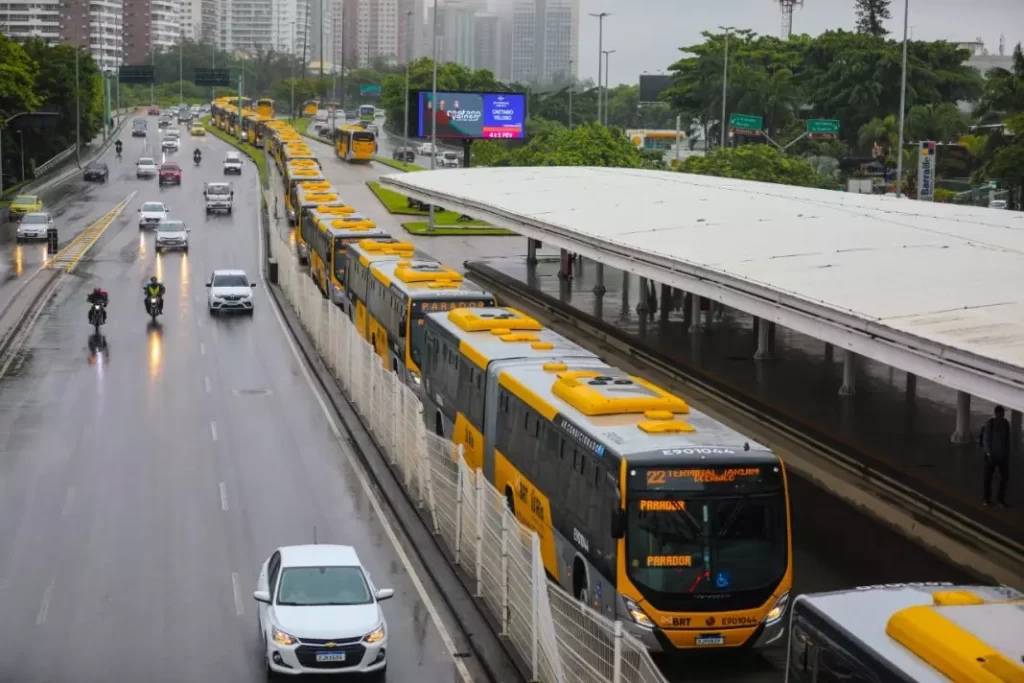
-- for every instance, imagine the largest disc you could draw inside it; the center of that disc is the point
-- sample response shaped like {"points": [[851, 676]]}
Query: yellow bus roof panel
{"points": [[488, 319], [353, 220], [593, 393]]}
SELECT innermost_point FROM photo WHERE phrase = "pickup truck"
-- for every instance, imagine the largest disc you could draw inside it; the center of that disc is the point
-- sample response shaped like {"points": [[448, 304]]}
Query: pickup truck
{"points": [[219, 196]]}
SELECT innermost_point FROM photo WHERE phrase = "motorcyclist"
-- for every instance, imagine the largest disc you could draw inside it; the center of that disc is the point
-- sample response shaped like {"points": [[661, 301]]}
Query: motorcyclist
{"points": [[117, 147], [197, 156], [98, 296], [155, 288]]}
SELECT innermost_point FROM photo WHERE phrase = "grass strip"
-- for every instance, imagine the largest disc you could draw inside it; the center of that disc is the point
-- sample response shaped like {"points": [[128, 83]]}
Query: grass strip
{"points": [[464, 229], [253, 153]]}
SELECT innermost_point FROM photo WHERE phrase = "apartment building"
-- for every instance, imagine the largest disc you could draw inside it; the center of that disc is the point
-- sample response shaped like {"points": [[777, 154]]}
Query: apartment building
{"points": [[98, 27], [370, 31], [545, 40], [487, 44], [23, 19]]}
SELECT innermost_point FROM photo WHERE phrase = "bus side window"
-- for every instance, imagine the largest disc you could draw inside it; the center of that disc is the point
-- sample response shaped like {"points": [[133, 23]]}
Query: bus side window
{"points": [[464, 395]]}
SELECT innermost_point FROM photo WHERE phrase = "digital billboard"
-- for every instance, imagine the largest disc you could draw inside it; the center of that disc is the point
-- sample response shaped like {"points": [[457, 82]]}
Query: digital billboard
{"points": [[651, 87], [469, 115]]}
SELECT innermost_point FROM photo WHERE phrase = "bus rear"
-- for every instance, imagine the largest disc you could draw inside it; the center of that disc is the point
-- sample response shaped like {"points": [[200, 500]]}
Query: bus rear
{"points": [[367, 112], [362, 146], [265, 107]]}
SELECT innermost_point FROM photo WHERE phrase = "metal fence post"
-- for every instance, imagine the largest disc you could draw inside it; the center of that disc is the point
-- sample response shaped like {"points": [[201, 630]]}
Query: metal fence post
{"points": [[479, 534], [617, 661], [504, 572], [535, 607], [458, 507], [398, 414], [430, 488]]}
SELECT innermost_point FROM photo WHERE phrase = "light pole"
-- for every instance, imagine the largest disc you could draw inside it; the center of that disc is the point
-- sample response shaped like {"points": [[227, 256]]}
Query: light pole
{"points": [[725, 83], [903, 103], [433, 117], [213, 65], [607, 83], [408, 61], [600, 51], [291, 108], [572, 86], [181, 69], [78, 113], [21, 140]]}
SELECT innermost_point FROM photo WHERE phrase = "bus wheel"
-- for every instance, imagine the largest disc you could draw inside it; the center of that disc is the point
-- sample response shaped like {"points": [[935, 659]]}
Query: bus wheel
{"points": [[438, 426], [579, 582]]}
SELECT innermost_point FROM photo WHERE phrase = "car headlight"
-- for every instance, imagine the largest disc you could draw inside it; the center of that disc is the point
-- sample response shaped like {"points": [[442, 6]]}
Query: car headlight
{"points": [[374, 636], [638, 616], [778, 609], [282, 638]]}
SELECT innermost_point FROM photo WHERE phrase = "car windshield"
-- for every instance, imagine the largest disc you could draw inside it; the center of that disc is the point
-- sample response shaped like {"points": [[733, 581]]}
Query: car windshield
{"points": [[309, 586], [24, 199], [96, 166], [230, 281], [146, 162], [33, 218], [171, 226], [231, 156], [153, 207], [706, 530], [169, 167], [217, 189]]}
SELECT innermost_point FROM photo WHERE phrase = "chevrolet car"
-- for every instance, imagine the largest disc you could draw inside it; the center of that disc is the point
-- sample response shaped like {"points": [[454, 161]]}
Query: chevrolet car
{"points": [[319, 613], [34, 226], [96, 170], [171, 235], [170, 173], [24, 204], [152, 213]]}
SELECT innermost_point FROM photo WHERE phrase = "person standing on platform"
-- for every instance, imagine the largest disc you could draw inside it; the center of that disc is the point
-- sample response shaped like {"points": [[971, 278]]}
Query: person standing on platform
{"points": [[995, 442]]}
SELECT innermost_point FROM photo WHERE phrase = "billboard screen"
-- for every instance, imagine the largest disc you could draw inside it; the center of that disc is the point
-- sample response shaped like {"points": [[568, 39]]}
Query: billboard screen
{"points": [[651, 88], [469, 115]]}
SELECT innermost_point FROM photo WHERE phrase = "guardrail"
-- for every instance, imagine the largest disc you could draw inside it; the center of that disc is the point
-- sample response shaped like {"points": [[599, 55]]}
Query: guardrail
{"points": [[46, 167], [560, 639]]}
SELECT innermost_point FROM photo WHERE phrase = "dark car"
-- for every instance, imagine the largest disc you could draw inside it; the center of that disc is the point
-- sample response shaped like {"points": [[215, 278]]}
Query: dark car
{"points": [[170, 174], [154, 111], [97, 170], [406, 154], [165, 121]]}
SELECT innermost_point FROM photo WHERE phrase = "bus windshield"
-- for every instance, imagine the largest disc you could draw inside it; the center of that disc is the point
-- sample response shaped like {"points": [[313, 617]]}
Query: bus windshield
{"points": [[419, 320], [706, 530]]}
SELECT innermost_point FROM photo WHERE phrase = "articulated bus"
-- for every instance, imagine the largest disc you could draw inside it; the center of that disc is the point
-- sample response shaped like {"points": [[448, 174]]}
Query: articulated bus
{"points": [[265, 107], [399, 295], [353, 144], [252, 129], [361, 257], [314, 200], [310, 107], [297, 164], [908, 633], [293, 177], [648, 511], [280, 142], [293, 151], [328, 234], [367, 112]]}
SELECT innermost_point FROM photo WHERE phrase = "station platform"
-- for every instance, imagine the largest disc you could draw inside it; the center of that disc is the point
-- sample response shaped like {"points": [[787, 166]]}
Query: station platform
{"points": [[898, 424]]}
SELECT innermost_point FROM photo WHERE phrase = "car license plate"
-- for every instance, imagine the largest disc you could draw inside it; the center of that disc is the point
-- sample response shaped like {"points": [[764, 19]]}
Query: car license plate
{"points": [[330, 656], [710, 640]]}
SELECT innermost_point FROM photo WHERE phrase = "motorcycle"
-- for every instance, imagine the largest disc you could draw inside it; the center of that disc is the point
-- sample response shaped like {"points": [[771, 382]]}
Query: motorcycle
{"points": [[97, 316], [197, 159], [154, 306]]}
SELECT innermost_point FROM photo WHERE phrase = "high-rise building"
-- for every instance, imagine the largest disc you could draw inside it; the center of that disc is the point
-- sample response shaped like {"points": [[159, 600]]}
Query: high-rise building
{"points": [[98, 27], [22, 19], [545, 40], [246, 25], [487, 43], [410, 29], [370, 32], [455, 26]]}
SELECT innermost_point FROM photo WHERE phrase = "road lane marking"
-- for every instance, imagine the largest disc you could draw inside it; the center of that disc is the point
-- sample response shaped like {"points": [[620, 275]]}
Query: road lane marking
{"points": [[236, 588], [44, 609], [206, 381], [223, 497], [357, 467], [213, 430], [69, 498], [68, 257], [202, 349]]}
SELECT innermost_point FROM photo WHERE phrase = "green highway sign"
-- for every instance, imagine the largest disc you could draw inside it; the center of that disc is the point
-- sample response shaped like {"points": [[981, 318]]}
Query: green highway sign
{"points": [[369, 89], [745, 124], [136, 75], [212, 77], [823, 128]]}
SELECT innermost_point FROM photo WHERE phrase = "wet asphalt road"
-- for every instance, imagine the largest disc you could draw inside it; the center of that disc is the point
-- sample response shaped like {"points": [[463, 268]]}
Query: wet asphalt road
{"points": [[834, 545], [142, 486]]}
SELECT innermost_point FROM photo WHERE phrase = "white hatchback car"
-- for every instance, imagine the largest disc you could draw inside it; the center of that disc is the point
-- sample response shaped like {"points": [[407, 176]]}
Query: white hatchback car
{"points": [[230, 290], [172, 235], [319, 613], [152, 213]]}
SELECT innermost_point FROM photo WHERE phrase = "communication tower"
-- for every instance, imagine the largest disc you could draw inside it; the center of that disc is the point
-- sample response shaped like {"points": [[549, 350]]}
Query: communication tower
{"points": [[787, 15]]}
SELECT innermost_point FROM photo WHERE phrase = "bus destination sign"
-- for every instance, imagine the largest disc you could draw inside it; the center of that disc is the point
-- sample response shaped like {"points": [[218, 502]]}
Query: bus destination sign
{"points": [[738, 478]]}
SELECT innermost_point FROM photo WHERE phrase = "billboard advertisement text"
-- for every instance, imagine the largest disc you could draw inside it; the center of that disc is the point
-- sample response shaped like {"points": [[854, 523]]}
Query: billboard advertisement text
{"points": [[470, 115]]}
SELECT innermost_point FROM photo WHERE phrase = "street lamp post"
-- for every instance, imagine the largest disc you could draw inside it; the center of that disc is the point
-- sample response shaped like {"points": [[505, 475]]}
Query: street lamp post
{"points": [[408, 61], [572, 86], [725, 83], [21, 139], [291, 108], [607, 83], [903, 103], [78, 113], [181, 68], [433, 116], [600, 51]]}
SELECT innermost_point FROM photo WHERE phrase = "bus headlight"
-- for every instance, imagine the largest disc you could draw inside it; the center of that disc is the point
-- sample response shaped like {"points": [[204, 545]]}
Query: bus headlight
{"points": [[415, 378], [778, 610], [638, 616]]}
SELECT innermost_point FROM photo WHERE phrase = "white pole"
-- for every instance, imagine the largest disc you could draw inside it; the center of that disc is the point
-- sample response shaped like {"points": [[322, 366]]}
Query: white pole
{"points": [[600, 51], [181, 70], [903, 103], [607, 83], [433, 119], [725, 84], [572, 86], [78, 112], [408, 61], [679, 135]]}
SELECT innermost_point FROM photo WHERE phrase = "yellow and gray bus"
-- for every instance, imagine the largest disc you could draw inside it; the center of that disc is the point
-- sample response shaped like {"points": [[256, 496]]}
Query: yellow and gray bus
{"points": [[648, 511], [928, 632], [293, 177], [328, 232], [355, 145]]}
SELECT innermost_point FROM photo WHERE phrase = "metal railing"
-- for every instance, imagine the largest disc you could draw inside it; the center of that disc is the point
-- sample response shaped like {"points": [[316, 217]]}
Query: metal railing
{"points": [[59, 158], [560, 639]]}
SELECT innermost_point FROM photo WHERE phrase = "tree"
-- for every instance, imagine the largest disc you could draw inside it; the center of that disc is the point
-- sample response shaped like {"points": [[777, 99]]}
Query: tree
{"points": [[450, 78], [870, 15], [17, 79], [587, 144], [940, 122], [756, 162]]}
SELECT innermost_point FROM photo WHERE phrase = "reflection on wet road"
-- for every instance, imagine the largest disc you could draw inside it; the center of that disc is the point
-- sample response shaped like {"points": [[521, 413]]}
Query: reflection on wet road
{"points": [[145, 473]]}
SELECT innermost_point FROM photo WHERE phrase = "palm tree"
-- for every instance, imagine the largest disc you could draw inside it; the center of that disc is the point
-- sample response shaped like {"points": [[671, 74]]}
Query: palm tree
{"points": [[879, 137], [939, 122]]}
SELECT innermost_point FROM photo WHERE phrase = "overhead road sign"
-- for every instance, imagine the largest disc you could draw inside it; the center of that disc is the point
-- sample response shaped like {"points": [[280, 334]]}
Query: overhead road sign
{"points": [[651, 87], [823, 129], [213, 77], [369, 89], [136, 75], [745, 124]]}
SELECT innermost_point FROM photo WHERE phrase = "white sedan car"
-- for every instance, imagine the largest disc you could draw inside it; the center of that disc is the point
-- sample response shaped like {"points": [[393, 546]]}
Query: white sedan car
{"points": [[319, 612], [230, 290], [172, 235], [33, 226], [152, 214], [145, 168], [170, 144]]}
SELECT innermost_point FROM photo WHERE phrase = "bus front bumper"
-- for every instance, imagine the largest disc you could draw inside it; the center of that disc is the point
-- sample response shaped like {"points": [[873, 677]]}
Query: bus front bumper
{"points": [[675, 640]]}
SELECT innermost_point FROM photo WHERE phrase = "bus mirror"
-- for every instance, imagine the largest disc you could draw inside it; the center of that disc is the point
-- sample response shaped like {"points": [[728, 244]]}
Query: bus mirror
{"points": [[618, 523]]}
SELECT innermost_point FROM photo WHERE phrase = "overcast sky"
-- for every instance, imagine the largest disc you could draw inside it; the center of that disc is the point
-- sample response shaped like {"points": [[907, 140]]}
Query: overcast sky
{"points": [[647, 34]]}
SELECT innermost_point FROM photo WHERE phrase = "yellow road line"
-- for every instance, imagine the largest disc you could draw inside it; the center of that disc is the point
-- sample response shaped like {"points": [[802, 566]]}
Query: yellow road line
{"points": [[68, 257]]}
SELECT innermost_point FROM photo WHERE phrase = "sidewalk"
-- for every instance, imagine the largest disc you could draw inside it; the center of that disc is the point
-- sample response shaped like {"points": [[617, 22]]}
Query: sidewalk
{"points": [[902, 429]]}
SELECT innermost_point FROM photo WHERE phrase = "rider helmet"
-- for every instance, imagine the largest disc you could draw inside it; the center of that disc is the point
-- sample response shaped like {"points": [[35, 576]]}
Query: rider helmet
{"points": [[153, 280]]}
